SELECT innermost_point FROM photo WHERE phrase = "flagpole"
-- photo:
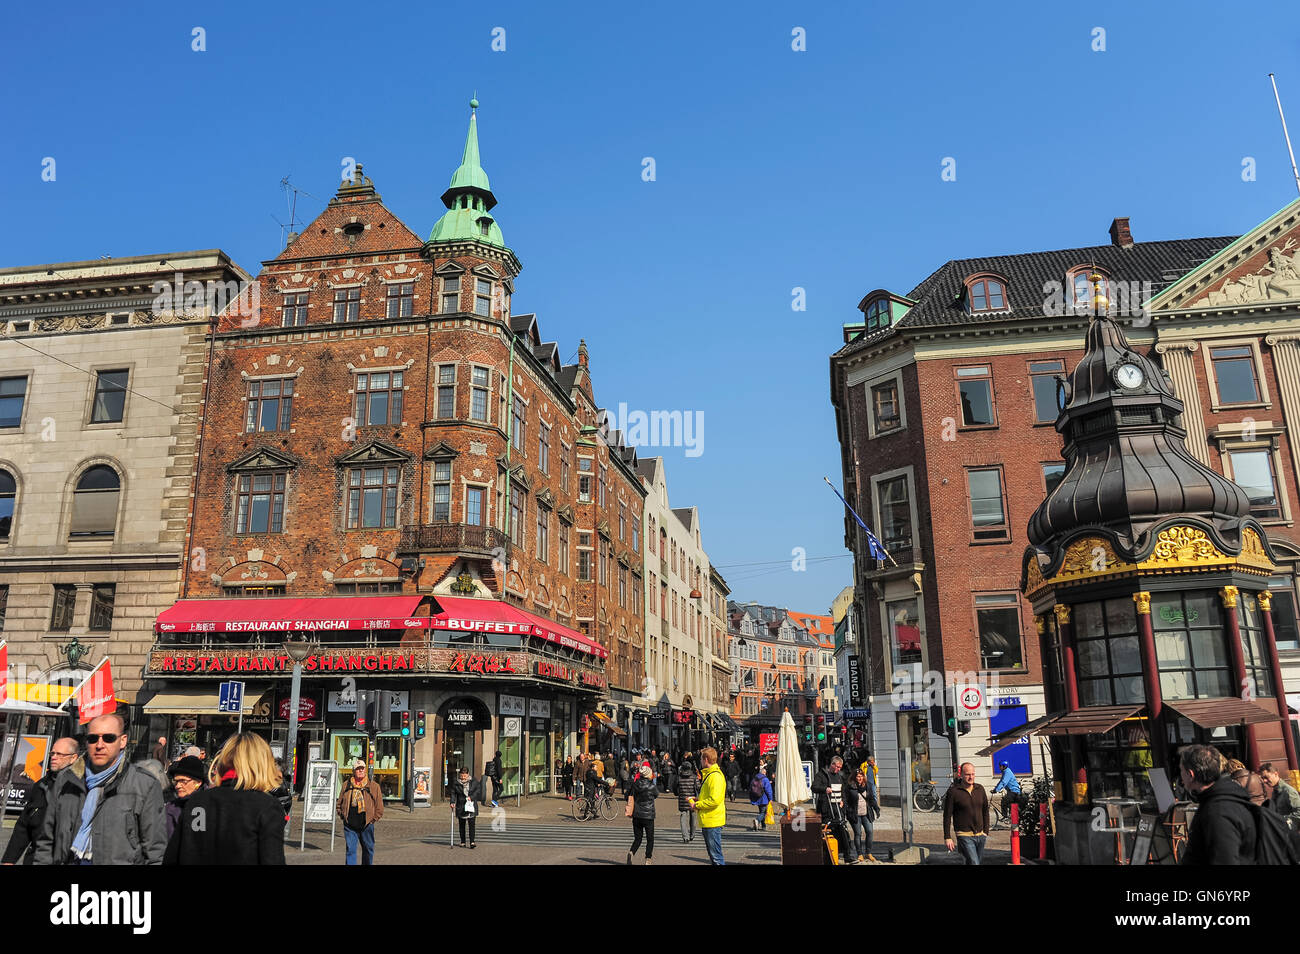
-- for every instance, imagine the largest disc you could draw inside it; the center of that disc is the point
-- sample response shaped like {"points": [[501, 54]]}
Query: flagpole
{"points": [[89, 676], [859, 519]]}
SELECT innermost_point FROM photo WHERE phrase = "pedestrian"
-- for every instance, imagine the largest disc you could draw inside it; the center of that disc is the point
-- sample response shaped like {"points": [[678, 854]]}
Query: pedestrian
{"points": [[102, 810], [668, 769], [712, 805], [579, 772], [641, 809], [1250, 781], [566, 776], [1224, 829], [187, 777], [235, 821], [732, 771], [22, 843], [760, 793], [497, 775], [687, 787], [466, 796], [360, 805], [863, 800], [1282, 798], [159, 752], [966, 809], [829, 786], [624, 777]]}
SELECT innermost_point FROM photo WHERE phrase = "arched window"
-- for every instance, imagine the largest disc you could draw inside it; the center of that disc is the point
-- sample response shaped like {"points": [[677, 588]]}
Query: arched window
{"points": [[8, 493], [94, 503], [878, 314], [986, 294], [1081, 287]]}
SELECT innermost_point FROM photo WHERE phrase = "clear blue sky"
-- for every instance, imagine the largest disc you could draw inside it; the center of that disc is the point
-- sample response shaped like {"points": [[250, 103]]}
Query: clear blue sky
{"points": [[775, 169]]}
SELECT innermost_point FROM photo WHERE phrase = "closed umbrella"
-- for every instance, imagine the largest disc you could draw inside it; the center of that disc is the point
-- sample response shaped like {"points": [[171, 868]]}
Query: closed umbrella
{"points": [[790, 786]]}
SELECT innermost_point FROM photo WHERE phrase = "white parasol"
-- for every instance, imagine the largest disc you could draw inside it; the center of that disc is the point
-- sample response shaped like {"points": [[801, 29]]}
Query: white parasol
{"points": [[790, 786], [12, 706]]}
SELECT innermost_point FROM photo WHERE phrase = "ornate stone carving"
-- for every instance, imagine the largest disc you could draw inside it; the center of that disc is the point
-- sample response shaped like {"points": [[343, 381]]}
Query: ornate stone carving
{"points": [[1062, 613], [1183, 546], [1040, 624], [1279, 280], [1089, 556], [1229, 596], [87, 322], [1143, 601], [1265, 600], [48, 324], [1252, 550], [1033, 577]]}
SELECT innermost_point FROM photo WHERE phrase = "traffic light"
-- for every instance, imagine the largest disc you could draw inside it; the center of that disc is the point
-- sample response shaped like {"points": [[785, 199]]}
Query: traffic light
{"points": [[419, 724], [941, 720], [406, 724], [383, 710], [807, 728], [963, 726], [365, 717], [821, 727]]}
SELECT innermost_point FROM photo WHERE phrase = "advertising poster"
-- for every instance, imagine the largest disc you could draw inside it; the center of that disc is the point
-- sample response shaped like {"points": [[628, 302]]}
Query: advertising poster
{"points": [[423, 785], [29, 764], [320, 791]]}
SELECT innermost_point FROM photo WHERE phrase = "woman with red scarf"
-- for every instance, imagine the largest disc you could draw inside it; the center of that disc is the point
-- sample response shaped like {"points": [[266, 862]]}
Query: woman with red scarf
{"points": [[236, 821]]}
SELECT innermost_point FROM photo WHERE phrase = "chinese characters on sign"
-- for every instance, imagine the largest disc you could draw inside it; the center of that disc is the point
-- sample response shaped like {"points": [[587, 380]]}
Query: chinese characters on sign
{"points": [[477, 662]]}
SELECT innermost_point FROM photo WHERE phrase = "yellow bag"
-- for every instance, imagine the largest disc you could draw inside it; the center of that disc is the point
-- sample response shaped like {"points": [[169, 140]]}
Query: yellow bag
{"points": [[770, 815], [832, 845]]}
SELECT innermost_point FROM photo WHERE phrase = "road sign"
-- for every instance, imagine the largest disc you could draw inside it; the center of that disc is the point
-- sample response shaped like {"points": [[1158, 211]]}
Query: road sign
{"points": [[231, 698], [807, 774], [971, 701], [512, 727]]}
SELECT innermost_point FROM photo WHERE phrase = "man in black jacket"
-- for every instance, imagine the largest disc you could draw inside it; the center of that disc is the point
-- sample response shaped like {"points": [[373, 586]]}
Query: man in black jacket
{"points": [[22, 844], [1223, 831], [831, 789]]}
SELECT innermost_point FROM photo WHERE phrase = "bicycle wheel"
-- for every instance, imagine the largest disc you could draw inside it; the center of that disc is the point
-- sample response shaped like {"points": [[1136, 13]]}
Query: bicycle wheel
{"points": [[580, 808], [608, 808], [924, 799]]}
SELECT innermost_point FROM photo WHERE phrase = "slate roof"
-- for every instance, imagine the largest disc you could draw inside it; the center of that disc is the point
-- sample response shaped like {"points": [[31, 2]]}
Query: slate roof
{"points": [[939, 298]]}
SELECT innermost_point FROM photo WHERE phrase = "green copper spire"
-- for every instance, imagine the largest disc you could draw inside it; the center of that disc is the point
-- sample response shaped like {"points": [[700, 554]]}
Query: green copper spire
{"points": [[469, 198]]}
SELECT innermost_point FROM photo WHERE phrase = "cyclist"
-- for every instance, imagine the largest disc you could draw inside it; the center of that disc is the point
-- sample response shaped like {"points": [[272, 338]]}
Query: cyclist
{"points": [[1011, 785], [593, 784]]}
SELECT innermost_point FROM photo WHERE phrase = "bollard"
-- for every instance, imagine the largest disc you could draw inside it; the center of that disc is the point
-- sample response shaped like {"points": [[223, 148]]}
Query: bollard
{"points": [[1042, 831], [1015, 833]]}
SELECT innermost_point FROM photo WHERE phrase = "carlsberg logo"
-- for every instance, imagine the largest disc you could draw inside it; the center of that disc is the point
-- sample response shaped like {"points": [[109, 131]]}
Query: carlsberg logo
{"points": [[76, 907]]}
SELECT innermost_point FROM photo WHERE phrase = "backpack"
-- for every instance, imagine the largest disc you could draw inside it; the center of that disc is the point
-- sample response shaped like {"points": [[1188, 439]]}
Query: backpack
{"points": [[756, 788], [1274, 844]]}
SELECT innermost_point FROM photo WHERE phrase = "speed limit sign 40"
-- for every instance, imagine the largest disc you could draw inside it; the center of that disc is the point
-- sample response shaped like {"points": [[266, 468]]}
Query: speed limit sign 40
{"points": [[971, 701]]}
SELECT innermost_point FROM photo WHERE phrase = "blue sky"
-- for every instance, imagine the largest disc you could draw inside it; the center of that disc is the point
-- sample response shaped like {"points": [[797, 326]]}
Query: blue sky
{"points": [[774, 169]]}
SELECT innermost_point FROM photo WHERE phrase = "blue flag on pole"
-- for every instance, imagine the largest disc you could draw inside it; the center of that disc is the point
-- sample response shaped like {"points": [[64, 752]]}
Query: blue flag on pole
{"points": [[874, 546]]}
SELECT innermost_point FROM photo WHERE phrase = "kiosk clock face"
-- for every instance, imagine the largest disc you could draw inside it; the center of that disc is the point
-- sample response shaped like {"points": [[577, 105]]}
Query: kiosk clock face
{"points": [[1129, 376]]}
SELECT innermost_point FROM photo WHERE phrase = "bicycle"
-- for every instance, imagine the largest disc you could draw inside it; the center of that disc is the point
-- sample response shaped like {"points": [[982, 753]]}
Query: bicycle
{"points": [[925, 797], [1000, 809], [604, 806]]}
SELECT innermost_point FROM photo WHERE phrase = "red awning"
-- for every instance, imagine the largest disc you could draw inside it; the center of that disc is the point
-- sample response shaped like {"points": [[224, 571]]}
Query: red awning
{"points": [[495, 616], [256, 614]]}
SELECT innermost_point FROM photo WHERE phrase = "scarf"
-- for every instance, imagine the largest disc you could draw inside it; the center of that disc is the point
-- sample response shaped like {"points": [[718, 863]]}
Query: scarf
{"points": [[358, 800], [81, 845]]}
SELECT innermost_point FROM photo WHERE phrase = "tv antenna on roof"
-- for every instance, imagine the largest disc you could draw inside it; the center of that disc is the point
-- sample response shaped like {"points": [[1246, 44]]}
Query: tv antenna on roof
{"points": [[291, 197]]}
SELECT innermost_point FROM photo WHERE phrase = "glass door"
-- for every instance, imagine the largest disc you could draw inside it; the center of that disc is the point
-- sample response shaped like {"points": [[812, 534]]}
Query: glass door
{"points": [[509, 765], [457, 752], [539, 765]]}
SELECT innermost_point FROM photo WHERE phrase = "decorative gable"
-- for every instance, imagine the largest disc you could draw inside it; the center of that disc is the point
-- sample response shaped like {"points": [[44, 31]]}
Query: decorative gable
{"points": [[376, 452], [263, 458], [441, 451], [546, 498], [603, 529], [449, 268]]}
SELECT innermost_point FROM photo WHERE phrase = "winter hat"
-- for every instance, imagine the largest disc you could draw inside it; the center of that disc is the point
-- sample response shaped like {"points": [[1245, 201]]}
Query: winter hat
{"points": [[645, 770], [190, 767]]}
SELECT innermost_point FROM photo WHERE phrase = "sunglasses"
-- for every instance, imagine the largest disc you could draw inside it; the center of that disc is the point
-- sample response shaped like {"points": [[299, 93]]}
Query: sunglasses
{"points": [[106, 736]]}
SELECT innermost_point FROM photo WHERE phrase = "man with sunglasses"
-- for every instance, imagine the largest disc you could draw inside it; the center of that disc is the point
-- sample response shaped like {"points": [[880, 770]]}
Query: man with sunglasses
{"points": [[103, 810], [22, 844]]}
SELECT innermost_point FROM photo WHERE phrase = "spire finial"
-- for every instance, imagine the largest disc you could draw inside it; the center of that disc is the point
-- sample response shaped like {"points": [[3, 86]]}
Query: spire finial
{"points": [[473, 103], [1100, 305]]}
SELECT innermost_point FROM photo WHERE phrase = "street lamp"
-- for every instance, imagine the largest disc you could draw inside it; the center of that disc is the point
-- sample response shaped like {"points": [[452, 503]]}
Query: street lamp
{"points": [[298, 649]]}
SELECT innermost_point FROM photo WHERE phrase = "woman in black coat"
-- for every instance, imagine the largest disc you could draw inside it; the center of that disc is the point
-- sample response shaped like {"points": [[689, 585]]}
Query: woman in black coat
{"points": [[467, 797], [236, 821]]}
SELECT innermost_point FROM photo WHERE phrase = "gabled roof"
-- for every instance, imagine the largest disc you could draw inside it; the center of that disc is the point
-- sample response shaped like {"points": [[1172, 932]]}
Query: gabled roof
{"points": [[940, 297], [816, 625]]}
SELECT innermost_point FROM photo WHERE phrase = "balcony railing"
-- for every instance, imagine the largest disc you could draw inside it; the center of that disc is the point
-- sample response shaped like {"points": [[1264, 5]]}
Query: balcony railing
{"points": [[452, 538]]}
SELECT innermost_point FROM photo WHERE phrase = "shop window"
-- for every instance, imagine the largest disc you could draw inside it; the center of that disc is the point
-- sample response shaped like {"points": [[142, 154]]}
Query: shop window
{"points": [[1108, 659], [997, 618], [1191, 648]]}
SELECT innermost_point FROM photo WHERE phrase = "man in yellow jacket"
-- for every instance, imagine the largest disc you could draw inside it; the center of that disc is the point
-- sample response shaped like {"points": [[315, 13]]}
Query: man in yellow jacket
{"points": [[712, 805]]}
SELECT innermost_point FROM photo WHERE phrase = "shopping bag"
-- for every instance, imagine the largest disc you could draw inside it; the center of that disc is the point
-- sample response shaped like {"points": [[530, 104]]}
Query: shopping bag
{"points": [[469, 807], [771, 815]]}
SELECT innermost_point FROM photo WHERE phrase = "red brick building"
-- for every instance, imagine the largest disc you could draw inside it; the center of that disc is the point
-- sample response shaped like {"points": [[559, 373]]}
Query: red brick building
{"points": [[379, 427]]}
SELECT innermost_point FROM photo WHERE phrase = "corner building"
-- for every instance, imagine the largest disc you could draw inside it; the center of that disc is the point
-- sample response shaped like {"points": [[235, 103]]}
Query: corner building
{"points": [[397, 467]]}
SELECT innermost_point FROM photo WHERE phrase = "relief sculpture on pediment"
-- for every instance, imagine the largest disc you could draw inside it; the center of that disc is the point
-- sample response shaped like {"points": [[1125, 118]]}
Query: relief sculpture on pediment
{"points": [[1279, 280]]}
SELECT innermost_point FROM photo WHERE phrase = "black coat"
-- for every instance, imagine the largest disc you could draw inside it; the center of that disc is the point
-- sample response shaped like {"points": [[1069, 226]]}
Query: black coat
{"points": [[23, 841], [1223, 831], [228, 826], [643, 793], [687, 785], [471, 791], [820, 782]]}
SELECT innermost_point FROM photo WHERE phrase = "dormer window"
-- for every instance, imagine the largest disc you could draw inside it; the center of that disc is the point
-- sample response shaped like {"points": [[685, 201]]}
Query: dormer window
{"points": [[986, 294], [878, 315], [1080, 284]]}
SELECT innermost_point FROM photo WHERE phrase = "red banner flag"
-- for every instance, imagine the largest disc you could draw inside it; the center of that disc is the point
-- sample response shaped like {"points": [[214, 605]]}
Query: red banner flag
{"points": [[4, 672], [95, 696]]}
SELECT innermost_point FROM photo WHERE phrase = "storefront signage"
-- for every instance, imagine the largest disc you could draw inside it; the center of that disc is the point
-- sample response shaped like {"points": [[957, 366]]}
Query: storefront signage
{"points": [[1171, 614], [593, 679], [551, 670], [855, 681], [510, 705], [295, 625], [309, 707], [539, 708], [345, 700], [481, 663], [683, 716], [466, 713], [343, 660]]}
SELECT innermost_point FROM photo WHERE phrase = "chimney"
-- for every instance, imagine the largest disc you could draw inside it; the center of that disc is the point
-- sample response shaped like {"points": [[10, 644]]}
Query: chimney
{"points": [[582, 352], [1119, 234]]}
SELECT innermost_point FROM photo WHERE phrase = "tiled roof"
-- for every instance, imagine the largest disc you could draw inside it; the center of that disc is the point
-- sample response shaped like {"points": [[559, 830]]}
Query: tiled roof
{"points": [[939, 298]]}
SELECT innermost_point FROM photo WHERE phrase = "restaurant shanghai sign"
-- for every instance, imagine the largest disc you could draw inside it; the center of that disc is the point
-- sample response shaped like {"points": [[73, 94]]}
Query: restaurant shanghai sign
{"points": [[197, 662]]}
